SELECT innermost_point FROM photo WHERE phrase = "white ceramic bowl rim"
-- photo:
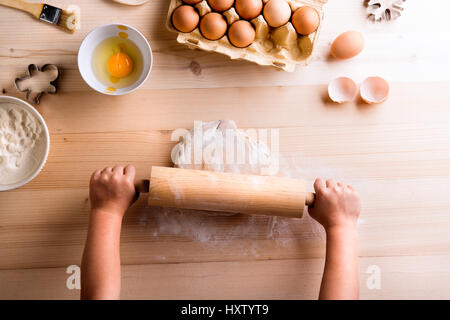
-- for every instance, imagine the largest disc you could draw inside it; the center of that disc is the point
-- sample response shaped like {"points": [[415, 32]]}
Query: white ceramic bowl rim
{"points": [[32, 110], [121, 91]]}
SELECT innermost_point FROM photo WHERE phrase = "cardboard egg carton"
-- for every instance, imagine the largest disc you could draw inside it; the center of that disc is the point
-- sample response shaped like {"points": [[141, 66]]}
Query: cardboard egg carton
{"points": [[279, 47]]}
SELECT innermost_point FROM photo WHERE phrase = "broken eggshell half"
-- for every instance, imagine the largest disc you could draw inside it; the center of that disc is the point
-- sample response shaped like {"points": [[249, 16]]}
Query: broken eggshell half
{"points": [[374, 90], [342, 89]]}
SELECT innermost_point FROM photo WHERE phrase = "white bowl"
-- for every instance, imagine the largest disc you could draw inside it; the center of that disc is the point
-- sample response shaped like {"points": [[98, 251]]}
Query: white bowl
{"points": [[35, 171], [91, 42]]}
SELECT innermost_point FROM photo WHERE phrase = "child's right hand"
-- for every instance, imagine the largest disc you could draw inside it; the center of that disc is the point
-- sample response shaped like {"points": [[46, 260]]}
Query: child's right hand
{"points": [[336, 204], [112, 190]]}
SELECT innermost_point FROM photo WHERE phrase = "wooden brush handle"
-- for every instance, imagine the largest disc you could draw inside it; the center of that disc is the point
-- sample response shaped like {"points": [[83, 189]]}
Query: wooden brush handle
{"points": [[225, 192], [34, 8]]}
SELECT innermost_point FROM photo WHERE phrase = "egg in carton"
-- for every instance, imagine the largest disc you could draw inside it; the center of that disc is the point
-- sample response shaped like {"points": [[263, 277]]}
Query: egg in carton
{"points": [[281, 47]]}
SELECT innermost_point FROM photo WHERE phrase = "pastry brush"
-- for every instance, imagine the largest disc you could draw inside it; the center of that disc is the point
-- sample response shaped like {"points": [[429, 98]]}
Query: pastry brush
{"points": [[66, 19]]}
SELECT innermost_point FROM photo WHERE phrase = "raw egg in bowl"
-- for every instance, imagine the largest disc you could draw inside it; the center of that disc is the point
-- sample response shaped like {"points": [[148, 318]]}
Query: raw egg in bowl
{"points": [[115, 59]]}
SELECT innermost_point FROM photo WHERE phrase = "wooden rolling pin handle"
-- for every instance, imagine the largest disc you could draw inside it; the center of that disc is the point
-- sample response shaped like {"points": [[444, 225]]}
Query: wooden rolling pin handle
{"points": [[143, 186], [310, 198]]}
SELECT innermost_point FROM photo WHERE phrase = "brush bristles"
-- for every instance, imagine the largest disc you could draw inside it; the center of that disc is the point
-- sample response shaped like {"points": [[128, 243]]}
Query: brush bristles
{"points": [[69, 20]]}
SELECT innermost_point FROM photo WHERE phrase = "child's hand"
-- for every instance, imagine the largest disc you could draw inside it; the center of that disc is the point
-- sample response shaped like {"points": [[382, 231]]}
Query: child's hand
{"points": [[336, 205], [112, 189]]}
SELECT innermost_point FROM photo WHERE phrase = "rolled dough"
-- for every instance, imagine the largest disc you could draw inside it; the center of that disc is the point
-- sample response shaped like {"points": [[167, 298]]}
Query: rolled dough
{"points": [[221, 146]]}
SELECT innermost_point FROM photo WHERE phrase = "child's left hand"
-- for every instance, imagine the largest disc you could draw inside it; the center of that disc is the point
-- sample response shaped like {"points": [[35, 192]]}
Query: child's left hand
{"points": [[112, 190]]}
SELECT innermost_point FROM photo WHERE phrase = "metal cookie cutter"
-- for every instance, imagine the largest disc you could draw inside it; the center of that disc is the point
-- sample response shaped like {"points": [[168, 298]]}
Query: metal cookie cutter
{"points": [[38, 81]]}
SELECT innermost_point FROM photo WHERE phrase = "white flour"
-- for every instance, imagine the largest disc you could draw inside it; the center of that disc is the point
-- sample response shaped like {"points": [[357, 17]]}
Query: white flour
{"points": [[22, 143]]}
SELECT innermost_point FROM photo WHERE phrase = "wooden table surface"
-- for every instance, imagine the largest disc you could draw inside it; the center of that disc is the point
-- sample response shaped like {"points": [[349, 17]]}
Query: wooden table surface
{"points": [[397, 154]]}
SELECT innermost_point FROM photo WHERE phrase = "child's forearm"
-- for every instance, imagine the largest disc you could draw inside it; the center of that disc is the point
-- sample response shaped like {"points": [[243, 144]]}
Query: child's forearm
{"points": [[340, 276], [100, 268]]}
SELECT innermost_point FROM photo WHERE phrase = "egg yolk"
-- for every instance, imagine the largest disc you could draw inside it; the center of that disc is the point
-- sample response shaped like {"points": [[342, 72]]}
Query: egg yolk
{"points": [[120, 65]]}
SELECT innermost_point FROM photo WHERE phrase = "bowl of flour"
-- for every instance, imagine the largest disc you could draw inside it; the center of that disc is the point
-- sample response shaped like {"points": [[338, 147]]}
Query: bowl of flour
{"points": [[24, 143]]}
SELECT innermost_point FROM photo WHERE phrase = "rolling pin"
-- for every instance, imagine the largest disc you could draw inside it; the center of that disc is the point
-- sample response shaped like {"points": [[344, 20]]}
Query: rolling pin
{"points": [[225, 192]]}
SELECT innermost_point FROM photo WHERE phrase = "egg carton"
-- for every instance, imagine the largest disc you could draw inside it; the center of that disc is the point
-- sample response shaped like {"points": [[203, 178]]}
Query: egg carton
{"points": [[279, 47]]}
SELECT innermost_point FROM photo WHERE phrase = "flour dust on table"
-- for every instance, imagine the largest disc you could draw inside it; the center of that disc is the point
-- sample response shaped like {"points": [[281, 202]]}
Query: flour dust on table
{"points": [[219, 229]]}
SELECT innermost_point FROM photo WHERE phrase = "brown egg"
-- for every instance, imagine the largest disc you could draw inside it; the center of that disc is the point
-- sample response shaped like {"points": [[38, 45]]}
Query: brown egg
{"points": [[347, 45], [248, 9], [305, 20], [192, 1], [277, 13], [220, 5], [241, 34], [185, 18], [213, 26]]}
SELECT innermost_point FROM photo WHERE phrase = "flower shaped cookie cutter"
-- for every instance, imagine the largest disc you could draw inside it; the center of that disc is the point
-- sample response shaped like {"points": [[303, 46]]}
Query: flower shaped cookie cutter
{"points": [[379, 10]]}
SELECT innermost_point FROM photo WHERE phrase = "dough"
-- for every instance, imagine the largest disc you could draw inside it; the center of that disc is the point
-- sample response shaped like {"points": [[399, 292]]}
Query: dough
{"points": [[221, 146], [22, 143]]}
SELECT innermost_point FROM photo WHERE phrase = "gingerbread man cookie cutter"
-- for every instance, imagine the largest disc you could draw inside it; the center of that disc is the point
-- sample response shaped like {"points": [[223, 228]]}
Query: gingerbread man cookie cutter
{"points": [[38, 81]]}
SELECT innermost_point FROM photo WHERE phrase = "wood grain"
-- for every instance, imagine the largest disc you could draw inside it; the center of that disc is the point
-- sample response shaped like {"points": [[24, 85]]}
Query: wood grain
{"points": [[269, 279], [396, 154]]}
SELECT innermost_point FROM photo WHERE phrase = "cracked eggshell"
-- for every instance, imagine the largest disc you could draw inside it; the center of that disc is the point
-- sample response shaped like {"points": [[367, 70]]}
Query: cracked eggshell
{"points": [[342, 90], [374, 90]]}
